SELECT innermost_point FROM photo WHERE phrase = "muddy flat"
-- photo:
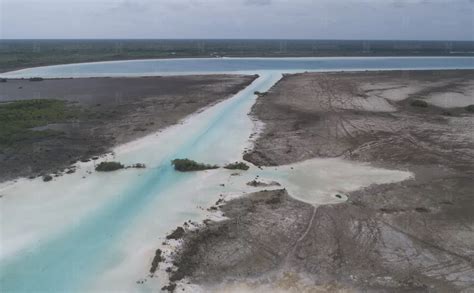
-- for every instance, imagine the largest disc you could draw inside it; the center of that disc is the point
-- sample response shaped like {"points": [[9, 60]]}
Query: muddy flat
{"points": [[102, 113], [412, 236]]}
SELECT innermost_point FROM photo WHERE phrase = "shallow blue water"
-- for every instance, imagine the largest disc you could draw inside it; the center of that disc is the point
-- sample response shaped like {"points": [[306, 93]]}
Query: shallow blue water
{"points": [[70, 261], [217, 65]]}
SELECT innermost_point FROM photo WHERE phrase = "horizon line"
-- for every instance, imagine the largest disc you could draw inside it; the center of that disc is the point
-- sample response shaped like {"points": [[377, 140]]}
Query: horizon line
{"points": [[226, 39]]}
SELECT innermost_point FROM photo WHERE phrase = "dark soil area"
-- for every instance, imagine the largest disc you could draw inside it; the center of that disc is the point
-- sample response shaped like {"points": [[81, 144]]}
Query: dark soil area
{"points": [[111, 111], [412, 236]]}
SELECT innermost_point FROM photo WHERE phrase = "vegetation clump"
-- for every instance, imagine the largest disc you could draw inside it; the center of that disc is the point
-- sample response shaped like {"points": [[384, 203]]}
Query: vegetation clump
{"points": [[47, 178], [260, 94], [237, 166], [138, 166], [187, 165], [177, 234], [170, 288], [470, 108], [36, 79], [256, 183], [109, 166], [3, 80], [156, 261], [419, 103]]}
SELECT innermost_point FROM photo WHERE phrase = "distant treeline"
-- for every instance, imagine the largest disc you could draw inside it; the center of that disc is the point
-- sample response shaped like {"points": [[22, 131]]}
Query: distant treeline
{"points": [[16, 54]]}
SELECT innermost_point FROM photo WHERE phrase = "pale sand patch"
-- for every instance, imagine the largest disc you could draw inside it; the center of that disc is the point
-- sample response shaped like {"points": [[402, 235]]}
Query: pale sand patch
{"points": [[318, 181], [392, 91], [399, 91], [454, 99]]}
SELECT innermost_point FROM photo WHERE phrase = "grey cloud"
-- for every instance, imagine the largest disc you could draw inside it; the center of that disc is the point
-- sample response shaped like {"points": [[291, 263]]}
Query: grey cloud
{"points": [[135, 6], [322, 19], [258, 2]]}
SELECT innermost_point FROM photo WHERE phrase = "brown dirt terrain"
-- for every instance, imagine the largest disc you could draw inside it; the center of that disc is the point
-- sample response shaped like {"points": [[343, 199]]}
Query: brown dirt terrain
{"points": [[118, 110], [412, 236]]}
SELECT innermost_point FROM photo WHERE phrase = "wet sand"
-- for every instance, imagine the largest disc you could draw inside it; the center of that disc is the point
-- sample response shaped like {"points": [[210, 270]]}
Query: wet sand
{"points": [[119, 110], [412, 236]]}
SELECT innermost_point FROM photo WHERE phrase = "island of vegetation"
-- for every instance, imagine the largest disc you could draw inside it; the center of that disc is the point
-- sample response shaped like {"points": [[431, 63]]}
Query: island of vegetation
{"points": [[114, 166], [237, 166], [109, 166], [187, 165], [137, 166]]}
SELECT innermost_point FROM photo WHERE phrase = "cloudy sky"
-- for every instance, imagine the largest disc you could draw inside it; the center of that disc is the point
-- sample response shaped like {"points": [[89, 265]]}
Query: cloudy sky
{"points": [[292, 19]]}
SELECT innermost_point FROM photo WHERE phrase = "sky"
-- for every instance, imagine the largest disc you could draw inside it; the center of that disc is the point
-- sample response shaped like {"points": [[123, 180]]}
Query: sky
{"points": [[240, 19]]}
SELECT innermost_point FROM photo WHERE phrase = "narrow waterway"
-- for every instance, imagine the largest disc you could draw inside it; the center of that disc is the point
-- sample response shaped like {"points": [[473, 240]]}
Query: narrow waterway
{"points": [[69, 255]]}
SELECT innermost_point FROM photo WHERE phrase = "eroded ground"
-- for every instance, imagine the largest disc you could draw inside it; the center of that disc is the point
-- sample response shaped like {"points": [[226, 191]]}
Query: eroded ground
{"points": [[413, 236], [108, 112]]}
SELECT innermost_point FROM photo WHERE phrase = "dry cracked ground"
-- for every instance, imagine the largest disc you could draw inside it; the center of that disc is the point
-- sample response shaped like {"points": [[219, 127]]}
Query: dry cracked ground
{"points": [[412, 236]]}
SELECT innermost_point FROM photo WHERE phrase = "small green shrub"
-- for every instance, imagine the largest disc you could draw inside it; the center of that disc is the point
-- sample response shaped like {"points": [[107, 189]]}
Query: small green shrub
{"points": [[419, 103], [470, 108], [237, 166], [187, 165], [109, 166]]}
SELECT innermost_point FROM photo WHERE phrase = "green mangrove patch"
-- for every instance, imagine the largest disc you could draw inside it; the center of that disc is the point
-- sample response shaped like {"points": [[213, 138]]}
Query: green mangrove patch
{"points": [[187, 165], [109, 166], [19, 118], [237, 166]]}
